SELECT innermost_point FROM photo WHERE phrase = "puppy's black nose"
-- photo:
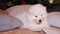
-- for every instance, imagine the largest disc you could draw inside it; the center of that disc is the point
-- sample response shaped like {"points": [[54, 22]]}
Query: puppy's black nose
{"points": [[40, 21]]}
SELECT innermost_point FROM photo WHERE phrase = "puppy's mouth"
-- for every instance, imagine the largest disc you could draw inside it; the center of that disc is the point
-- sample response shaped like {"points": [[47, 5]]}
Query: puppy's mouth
{"points": [[38, 22]]}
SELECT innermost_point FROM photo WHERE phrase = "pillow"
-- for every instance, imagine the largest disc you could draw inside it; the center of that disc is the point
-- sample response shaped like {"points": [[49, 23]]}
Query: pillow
{"points": [[8, 22]]}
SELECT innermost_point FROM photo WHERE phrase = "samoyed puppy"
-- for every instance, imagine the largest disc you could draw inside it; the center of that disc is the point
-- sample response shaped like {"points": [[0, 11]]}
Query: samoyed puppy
{"points": [[33, 17]]}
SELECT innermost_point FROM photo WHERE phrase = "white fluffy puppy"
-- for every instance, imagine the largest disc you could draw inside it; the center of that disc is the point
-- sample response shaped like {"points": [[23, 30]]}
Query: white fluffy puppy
{"points": [[34, 17]]}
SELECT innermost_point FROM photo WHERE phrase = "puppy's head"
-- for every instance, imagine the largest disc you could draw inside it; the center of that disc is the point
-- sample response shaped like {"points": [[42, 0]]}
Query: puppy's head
{"points": [[37, 16], [38, 13]]}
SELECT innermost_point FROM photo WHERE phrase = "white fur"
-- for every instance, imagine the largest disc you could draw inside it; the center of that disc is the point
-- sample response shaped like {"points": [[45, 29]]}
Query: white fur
{"points": [[27, 13]]}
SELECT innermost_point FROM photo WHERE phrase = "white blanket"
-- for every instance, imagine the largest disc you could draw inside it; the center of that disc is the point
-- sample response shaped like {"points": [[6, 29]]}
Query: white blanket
{"points": [[54, 19], [8, 22]]}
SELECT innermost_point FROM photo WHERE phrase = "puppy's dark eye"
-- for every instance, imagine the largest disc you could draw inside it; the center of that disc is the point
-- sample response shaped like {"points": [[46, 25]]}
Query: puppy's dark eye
{"points": [[41, 15], [36, 16]]}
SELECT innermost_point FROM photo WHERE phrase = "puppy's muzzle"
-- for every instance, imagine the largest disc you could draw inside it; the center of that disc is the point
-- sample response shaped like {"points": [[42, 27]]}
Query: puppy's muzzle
{"points": [[39, 22]]}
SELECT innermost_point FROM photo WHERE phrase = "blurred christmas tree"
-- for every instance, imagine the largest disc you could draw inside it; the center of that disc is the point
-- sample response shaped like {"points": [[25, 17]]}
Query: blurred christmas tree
{"points": [[8, 3], [31, 1], [4, 4]]}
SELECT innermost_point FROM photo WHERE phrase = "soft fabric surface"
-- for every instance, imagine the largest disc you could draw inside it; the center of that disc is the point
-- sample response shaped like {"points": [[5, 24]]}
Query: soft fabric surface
{"points": [[21, 31], [54, 19], [8, 22]]}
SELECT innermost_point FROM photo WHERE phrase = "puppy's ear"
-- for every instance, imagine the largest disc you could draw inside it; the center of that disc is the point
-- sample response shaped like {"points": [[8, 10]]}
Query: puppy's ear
{"points": [[34, 7], [37, 8]]}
